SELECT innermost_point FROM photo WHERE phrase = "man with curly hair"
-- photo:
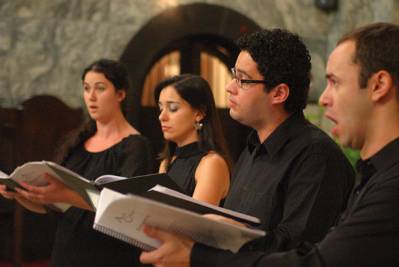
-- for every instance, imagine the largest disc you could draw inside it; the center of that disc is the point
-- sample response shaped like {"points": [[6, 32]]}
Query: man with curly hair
{"points": [[286, 175], [362, 99]]}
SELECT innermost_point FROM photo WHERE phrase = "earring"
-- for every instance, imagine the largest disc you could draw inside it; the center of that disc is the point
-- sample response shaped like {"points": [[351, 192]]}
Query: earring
{"points": [[198, 125]]}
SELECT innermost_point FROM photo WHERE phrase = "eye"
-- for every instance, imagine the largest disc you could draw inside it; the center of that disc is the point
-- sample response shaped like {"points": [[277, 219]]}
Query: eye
{"points": [[333, 82], [86, 88], [173, 107], [101, 87]]}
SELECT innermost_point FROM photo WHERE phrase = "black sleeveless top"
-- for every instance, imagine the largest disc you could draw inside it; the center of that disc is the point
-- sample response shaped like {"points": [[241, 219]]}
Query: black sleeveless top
{"points": [[182, 168], [76, 243]]}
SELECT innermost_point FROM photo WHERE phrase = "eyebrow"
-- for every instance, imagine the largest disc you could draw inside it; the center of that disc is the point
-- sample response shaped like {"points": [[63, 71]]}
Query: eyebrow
{"points": [[96, 83], [243, 72], [330, 76], [169, 102]]}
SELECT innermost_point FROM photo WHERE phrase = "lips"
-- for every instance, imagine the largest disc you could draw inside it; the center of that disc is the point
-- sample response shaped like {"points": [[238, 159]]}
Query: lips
{"points": [[165, 128], [331, 118], [231, 103], [334, 129]]}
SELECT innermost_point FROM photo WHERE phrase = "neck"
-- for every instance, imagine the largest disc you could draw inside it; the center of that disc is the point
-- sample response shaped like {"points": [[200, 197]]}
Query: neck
{"points": [[383, 129], [190, 139], [117, 125], [265, 129]]}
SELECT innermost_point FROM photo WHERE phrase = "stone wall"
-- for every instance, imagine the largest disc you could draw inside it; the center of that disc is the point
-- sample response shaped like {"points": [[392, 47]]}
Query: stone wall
{"points": [[44, 44]]}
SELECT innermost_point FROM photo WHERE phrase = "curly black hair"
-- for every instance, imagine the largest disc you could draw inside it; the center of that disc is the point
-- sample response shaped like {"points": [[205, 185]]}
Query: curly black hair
{"points": [[281, 57]]}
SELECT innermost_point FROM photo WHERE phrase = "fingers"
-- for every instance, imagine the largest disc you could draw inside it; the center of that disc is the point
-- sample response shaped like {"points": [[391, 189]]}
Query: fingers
{"points": [[31, 196], [155, 233], [154, 256], [219, 218], [39, 208], [214, 217], [6, 193], [33, 189], [174, 251], [52, 180], [151, 257]]}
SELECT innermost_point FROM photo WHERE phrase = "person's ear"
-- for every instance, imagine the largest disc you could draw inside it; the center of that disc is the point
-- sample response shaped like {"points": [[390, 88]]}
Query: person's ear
{"points": [[199, 115], [121, 94], [280, 93], [381, 85]]}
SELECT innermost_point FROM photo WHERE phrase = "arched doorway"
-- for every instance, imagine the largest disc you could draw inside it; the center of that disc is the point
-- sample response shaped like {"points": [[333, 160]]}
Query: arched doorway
{"points": [[197, 33]]}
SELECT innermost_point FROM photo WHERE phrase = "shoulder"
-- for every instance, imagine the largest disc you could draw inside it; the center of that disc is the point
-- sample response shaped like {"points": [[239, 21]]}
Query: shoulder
{"points": [[212, 160], [317, 141], [388, 177], [136, 144], [136, 140], [316, 149], [213, 169]]}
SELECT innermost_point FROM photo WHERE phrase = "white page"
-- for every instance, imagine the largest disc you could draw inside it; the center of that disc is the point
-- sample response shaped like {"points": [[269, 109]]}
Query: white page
{"points": [[165, 190], [103, 179], [126, 214], [3, 175]]}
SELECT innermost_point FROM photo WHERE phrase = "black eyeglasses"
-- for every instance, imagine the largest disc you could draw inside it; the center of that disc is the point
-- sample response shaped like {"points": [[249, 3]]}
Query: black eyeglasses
{"points": [[241, 82]]}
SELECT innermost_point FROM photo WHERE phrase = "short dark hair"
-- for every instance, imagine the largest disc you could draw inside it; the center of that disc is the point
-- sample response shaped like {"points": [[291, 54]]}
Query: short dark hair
{"points": [[281, 57], [197, 92], [377, 48]]}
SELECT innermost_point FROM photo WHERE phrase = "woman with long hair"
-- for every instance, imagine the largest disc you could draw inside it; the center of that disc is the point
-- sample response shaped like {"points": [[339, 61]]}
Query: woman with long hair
{"points": [[195, 154], [106, 144]]}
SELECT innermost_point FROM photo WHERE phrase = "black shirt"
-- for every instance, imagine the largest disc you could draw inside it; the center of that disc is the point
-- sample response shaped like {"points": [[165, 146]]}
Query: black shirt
{"points": [[76, 243], [183, 167], [367, 236], [291, 184]]}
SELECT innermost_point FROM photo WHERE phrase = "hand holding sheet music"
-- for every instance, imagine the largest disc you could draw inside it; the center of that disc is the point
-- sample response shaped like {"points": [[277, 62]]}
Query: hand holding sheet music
{"points": [[123, 216], [33, 173]]}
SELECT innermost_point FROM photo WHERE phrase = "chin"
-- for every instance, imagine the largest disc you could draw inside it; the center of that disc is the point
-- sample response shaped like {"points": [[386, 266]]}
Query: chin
{"points": [[233, 114], [168, 137], [345, 141], [93, 116]]}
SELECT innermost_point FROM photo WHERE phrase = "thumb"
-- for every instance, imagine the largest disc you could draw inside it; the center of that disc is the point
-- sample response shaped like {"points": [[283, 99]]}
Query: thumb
{"points": [[156, 233], [151, 231], [50, 179]]}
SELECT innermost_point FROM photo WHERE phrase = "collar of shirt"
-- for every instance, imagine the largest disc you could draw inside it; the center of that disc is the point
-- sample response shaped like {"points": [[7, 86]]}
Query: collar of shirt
{"points": [[382, 160], [280, 136], [188, 150]]}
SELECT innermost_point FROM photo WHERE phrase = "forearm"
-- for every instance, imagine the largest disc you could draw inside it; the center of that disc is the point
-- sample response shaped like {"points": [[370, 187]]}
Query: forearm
{"points": [[77, 201]]}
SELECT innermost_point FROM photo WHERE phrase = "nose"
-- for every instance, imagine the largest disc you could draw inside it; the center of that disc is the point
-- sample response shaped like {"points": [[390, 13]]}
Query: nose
{"points": [[231, 87], [92, 94], [162, 115], [325, 99]]}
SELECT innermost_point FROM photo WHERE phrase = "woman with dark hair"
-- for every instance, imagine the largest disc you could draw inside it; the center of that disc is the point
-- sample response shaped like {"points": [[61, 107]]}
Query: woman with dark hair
{"points": [[107, 144], [195, 153]]}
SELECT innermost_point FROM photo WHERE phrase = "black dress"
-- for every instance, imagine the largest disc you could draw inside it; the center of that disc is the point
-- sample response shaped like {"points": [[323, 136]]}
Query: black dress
{"points": [[183, 167], [76, 243]]}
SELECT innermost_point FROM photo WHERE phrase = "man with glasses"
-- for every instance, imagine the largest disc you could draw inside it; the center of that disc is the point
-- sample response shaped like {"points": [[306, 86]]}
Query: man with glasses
{"points": [[362, 99], [287, 174]]}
